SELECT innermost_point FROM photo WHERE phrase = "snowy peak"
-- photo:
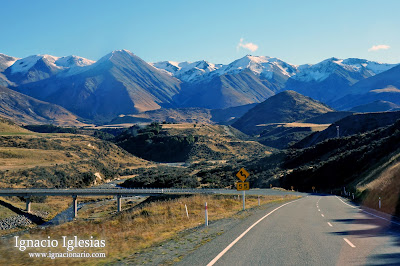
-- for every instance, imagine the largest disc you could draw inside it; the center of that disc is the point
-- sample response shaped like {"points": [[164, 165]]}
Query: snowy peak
{"points": [[372, 66], [73, 61], [25, 64], [262, 66], [187, 71], [194, 71], [324, 69], [6, 61], [56, 64], [169, 67]]}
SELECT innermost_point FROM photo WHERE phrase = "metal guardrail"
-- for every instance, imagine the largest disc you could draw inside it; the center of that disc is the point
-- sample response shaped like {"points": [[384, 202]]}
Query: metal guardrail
{"points": [[99, 191], [118, 192]]}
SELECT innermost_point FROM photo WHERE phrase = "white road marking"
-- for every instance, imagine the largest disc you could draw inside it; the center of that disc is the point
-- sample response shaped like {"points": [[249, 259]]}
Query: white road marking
{"points": [[345, 202], [243, 234], [348, 242], [330, 224], [368, 212], [319, 210], [322, 215]]}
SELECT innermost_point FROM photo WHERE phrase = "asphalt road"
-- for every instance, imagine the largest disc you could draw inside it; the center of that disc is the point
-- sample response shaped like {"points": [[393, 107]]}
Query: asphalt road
{"points": [[314, 230]]}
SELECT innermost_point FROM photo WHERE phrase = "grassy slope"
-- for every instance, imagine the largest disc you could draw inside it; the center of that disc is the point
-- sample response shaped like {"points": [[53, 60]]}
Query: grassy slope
{"points": [[62, 160], [285, 107]]}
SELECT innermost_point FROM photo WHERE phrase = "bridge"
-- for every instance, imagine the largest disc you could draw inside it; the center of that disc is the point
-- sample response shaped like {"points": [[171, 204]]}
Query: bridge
{"points": [[116, 192]]}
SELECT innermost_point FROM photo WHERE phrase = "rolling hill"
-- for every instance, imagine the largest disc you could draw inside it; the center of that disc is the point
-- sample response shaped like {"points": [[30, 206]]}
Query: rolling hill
{"points": [[285, 107], [29, 159]]}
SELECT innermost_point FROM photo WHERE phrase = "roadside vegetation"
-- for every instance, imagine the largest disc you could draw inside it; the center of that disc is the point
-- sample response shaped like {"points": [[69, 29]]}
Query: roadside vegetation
{"points": [[134, 229]]}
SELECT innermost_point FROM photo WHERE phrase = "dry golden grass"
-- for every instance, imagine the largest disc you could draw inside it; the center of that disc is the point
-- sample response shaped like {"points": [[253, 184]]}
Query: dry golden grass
{"points": [[132, 230], [386, 186], [179, 126], [19, 158], [8, 128], [313, 127]]}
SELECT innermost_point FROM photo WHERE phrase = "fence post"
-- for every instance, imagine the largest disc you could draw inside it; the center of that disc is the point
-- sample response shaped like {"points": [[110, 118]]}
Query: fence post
{"points": [[206, 215], [28, 204], [119, 203], [187, 214], [75, 205]]}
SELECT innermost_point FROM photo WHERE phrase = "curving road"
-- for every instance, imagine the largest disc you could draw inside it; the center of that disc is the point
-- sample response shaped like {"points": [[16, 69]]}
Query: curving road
{"points": [[314, 230]]}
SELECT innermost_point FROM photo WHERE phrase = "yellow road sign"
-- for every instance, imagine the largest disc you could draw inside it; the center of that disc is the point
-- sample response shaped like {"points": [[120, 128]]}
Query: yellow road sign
{"points": [[242, 174], [243, 185]]}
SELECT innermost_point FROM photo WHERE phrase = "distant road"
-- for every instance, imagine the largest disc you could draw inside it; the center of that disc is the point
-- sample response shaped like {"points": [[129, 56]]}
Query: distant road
{"points": [[314, 230]]}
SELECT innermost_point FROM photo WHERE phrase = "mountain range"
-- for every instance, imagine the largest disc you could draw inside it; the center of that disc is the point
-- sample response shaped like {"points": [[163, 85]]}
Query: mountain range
{"points": [[121, 83]]}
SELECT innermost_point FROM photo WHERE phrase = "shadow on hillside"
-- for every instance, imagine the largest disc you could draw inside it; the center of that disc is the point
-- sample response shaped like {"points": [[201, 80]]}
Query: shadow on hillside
{"points": [[33, 218]]}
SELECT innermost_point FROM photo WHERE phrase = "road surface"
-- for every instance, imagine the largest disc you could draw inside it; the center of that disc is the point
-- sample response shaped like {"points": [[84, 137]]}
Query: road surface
{"points": [[314, 230]]}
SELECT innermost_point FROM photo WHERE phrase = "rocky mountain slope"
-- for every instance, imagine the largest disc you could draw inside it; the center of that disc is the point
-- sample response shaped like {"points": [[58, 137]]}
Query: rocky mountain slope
{"points": [[119, 83], [27, 110]]}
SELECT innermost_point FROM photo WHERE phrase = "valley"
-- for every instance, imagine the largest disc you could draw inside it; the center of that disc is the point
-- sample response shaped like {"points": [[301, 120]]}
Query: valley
{"points": [[69, 122]]}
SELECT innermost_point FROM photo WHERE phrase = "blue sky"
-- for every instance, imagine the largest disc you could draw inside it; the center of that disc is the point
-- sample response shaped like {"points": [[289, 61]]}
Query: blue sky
{"points": [[218, 31]]}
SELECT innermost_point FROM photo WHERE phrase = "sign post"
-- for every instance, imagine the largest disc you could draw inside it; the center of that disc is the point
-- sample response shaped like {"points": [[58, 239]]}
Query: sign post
{"points": [[243, 186]]}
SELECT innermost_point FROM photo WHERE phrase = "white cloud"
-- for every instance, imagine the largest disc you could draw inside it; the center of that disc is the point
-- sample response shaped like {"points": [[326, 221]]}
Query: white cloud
{"points": [[378, 47], [249, 45]]}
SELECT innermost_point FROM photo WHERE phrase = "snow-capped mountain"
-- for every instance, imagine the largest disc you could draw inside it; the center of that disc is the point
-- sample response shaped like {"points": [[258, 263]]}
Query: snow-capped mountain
{"points": [[384, 86], [6, 61], [38, 67], [263, 66], [333, 77], [122, 83], [118, 83], [324, 69], [56, 63], [187, 71]]}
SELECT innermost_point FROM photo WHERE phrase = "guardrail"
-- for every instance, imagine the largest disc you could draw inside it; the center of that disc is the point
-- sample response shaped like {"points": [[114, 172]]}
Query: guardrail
{"points": [[118, 192]]}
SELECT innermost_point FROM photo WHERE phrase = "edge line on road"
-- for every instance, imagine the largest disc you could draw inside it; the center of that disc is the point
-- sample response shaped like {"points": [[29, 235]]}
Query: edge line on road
{"points": [[330, 224], [368, 212], [244, 233], [348, 242]]}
